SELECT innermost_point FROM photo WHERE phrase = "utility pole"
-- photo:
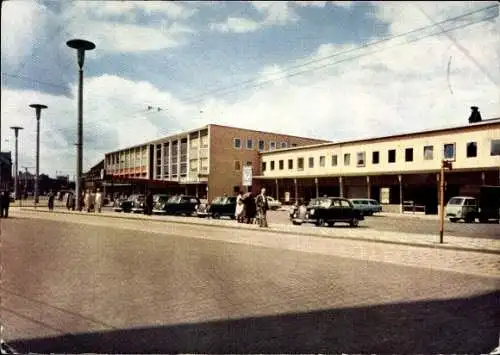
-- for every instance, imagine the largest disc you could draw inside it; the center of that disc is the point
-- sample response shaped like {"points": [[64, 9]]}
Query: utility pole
{"points": [[445, 164], [16, 130]]}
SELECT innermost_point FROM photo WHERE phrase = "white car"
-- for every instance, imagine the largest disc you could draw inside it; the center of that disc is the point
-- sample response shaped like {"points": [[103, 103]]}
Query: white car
{"points": [[273, 204]]}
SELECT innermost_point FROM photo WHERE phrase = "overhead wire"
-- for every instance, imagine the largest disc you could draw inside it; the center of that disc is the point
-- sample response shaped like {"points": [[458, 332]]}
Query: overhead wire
{"points": [[249, 83]]}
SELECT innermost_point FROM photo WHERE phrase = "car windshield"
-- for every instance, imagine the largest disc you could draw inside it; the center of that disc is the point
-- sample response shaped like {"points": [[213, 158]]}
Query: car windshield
{"points": [[325, 203], [174, 199], [219, 200], [456, 201], [373, 202]]}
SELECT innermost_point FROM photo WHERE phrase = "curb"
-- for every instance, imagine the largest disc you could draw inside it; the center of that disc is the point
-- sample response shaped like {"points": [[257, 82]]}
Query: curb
{"points": [[273, 230]]}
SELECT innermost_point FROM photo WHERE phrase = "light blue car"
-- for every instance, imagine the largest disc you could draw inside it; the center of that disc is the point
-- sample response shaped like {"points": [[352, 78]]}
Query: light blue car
{"points": [[367, 206]]}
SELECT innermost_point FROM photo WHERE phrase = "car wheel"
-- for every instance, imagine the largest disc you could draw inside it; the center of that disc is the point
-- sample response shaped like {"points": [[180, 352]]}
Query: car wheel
{"points": [[331, 224], [453, 220], [469, 218], [233, 217], [216, 215], [354, 222], [320, 222]]}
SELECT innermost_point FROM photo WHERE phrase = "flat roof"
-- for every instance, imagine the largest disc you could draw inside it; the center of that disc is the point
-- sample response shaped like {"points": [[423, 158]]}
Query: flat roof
{"points": [[156, 140], [486, 122]]}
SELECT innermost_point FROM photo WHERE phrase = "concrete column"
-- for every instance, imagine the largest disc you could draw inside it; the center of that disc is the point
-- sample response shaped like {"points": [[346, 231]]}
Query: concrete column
{"points": [[170, 159], [368, 187], [400, 179], [277, 190], [188, 164], [179, 159], [317, 187], [483, 177], [438, 182], [341, 187], [296, 190], [162, 167]]}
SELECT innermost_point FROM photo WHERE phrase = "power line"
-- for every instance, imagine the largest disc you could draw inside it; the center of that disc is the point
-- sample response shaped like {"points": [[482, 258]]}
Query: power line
{"points": [[243, 84], [460, 47]]}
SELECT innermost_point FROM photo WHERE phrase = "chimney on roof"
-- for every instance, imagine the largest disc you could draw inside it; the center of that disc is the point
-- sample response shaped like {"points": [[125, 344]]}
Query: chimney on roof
{"points": [[475, 115]]}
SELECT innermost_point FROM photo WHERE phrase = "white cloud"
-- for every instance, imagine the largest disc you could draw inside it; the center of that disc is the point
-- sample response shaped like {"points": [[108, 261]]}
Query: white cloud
{"points": [[237, 25], [275, 12], [311, 3], [18, 32]]}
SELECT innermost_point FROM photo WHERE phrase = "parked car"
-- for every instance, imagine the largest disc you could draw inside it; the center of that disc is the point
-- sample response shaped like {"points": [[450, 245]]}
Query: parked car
{"points": [[220, 206], [137, 203], [469, 208], [366, 205], [181, 205], [330, 210], [128, 205], [160, 203], [117, 204], [273, 203]]}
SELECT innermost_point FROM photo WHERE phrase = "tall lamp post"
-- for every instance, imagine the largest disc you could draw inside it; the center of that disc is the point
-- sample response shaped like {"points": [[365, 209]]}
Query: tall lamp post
{"points": [[16, 161], [81, 46], [38, 110]]}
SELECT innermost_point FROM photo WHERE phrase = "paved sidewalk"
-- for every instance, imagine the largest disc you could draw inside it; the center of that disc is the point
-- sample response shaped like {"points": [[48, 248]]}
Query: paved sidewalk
{"points": [[360, 234]]}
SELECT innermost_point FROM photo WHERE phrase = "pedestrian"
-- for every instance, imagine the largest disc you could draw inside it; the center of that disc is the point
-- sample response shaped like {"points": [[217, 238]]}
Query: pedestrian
{"points": [[4, 204], [148, 208], [262, 208], [86, 200], [98, 201], [51, 201], [250, 208], [239, 213]]}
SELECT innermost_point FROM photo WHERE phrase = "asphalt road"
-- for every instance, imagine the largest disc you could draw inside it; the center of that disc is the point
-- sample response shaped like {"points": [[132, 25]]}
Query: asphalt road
{"points": [[118, 286]]}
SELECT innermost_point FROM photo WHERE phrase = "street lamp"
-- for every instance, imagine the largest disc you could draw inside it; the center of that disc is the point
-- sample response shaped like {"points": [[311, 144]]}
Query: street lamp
{"points": [[81, 46], [38, 110], [16, 161]]}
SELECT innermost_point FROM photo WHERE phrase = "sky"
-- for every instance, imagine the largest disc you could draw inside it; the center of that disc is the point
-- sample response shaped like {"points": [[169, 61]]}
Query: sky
{"points": [[333, 70]]}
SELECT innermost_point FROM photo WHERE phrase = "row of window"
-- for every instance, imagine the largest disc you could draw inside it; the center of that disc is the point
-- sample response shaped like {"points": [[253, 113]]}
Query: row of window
{"points": [[261, 145], [449, 152]]}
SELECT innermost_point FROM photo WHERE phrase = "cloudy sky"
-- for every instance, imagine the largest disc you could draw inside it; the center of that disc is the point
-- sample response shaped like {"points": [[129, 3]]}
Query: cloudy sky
{"points": [[331, 70]]}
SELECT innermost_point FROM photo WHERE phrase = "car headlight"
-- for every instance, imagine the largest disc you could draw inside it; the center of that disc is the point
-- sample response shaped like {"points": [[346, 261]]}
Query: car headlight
{"points": [[312, 211]]}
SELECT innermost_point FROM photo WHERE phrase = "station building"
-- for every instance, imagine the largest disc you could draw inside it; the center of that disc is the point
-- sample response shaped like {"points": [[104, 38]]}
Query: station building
{"points": [[397, 170], [206, 162]]}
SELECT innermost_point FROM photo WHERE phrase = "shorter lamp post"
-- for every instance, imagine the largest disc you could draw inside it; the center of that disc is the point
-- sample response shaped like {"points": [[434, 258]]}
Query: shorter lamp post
{"points": [[16, 161], [38, 110]]}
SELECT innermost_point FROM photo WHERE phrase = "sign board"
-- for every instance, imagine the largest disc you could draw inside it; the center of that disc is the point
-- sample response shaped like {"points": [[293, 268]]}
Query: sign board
{"points": [[247, 176], [384, 195]]}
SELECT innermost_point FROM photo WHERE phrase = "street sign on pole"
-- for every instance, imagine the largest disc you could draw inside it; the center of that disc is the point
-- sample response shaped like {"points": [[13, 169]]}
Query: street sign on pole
{"points": [[247, 176]]}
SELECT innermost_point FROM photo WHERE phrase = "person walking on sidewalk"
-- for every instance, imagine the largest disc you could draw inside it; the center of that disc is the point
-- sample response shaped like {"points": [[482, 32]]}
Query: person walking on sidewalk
{"points": [[4, 204], [51, 201], [262, 208], [98, 201]]}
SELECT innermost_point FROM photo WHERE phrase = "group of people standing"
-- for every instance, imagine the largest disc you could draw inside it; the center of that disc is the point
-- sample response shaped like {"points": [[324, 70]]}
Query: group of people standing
{"points": [[91, 201], [252, 210]]}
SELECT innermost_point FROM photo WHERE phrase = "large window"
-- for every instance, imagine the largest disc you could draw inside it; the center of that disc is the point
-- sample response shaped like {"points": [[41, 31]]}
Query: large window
{"points": [[471, 150], [428, 152], [272, 146], [361, 159], [290, 163], [311, 162], [281, 164], [272, 164], [449, 151], [375, 157], [264, 165], [284, 145], [335, 160], [249, 143], [237, 165], [300, 163], [391, 156], [237, 143], [495, 147], [322, 161], [409, 154], [262, 146], [347, 159]]}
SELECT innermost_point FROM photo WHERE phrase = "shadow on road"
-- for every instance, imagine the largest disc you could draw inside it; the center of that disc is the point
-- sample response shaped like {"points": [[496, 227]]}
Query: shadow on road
{"points": [[468, 325]]}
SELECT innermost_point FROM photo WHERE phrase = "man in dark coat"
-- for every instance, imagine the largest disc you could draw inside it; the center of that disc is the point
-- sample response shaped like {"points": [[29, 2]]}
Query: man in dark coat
{"points": [[148, 208], [4, 204]]}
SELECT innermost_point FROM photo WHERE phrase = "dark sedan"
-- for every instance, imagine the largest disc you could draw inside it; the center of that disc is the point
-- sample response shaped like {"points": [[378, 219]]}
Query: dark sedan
{"points": [[181, 205], [160, 204], [130, 204], [221, 206], [330, 210]]}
